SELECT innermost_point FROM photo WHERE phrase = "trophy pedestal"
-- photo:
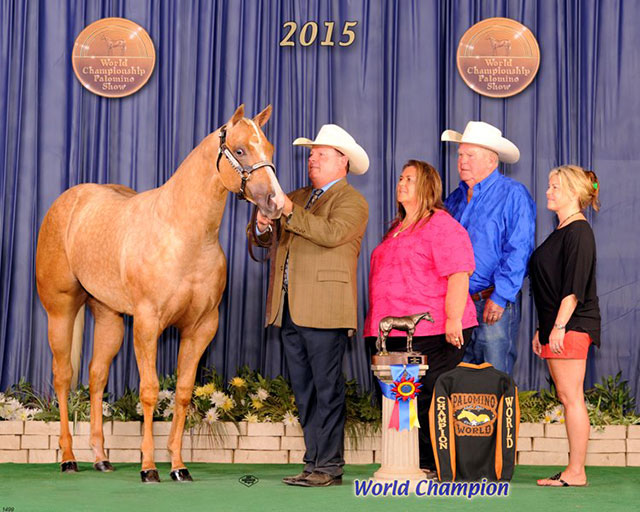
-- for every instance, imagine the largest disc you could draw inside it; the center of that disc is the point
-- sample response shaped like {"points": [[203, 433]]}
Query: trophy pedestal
{"points": [[400, 453]]}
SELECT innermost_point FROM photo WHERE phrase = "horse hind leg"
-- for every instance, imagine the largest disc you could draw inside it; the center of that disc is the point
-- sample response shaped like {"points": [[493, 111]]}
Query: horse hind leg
{"points": [[62, 296], [107, 340], [381, 342], [61, 314]]}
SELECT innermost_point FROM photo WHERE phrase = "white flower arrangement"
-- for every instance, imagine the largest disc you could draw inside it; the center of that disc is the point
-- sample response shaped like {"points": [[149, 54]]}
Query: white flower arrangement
{"points": [[218, 398], [290, 419], [212, 415], [554, 415], [12, 410], [250, 418], [248, 396]]}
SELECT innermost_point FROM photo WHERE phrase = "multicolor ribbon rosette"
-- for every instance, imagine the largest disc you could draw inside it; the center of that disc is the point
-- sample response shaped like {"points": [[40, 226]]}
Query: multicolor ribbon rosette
{"points": [[403, 390]]}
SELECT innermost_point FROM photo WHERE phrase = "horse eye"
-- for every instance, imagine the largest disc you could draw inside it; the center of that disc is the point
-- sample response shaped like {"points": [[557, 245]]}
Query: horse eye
{"points": [[239, 152]]}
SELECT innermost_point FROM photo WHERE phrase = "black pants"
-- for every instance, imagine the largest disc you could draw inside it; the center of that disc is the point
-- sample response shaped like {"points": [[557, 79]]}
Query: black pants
{"points": [[314, 359], [441, 357]]}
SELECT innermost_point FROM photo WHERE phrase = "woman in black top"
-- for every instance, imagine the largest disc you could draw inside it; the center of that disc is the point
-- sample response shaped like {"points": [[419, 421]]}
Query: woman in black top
{"points": [[563, 282]]}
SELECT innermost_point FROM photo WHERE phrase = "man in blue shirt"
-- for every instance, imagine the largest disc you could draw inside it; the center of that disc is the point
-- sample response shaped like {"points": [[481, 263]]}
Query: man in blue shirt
{"points": [[499, 215]]}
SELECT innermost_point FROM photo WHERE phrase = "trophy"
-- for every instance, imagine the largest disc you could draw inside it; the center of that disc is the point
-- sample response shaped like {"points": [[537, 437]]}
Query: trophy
{"points": [[401, 323], [399, 374]]}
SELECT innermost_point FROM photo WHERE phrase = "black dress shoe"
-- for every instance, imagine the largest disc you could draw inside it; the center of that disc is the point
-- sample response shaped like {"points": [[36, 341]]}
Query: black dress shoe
{"points": [[291, 480], [318, 479], [431, 474]]}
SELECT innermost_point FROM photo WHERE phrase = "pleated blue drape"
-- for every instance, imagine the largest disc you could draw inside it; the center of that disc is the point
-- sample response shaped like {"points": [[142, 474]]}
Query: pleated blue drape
{"points": [[395, 89]]}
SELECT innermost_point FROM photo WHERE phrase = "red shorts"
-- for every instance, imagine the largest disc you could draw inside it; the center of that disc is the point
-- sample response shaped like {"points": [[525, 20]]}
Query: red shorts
{"points": [[576, 346]]}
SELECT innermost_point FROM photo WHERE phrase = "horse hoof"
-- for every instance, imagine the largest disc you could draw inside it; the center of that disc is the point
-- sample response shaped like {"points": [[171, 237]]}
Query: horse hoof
{"points": [[104, 466], [181, 475], [69, 467], [150, 476]]}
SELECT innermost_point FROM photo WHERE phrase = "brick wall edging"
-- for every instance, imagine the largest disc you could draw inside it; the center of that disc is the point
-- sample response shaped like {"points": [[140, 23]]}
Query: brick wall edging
{"points": [[37, 442]]}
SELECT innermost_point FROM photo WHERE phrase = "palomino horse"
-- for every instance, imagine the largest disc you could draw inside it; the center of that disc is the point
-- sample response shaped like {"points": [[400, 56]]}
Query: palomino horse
{"points": [[401, 323], [155, 256]]}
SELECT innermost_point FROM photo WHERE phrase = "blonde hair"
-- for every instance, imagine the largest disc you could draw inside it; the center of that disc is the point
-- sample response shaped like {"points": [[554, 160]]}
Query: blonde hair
{"points": [[428, 191], [581, 182]]}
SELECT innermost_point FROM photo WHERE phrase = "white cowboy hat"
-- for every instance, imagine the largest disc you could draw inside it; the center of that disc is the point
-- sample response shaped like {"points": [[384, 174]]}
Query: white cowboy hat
{"points": [[486, 136], [336, 137]]}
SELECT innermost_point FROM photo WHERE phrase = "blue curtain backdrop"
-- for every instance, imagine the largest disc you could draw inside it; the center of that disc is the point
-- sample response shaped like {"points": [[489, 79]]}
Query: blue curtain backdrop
{"points": [[395, 89]]}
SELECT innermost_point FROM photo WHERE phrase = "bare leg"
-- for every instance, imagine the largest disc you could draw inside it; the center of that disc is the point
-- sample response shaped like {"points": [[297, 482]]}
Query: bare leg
{"points": [[107, 340], [568, 375], [146, 329], [192, 346]]}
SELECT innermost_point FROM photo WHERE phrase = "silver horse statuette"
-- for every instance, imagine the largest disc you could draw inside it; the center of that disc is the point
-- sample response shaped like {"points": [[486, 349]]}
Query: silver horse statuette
{"points": [[401, 323]]}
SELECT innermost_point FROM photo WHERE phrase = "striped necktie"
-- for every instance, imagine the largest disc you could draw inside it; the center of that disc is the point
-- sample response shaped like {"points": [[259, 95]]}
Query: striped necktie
{"points": [[317, 192]]}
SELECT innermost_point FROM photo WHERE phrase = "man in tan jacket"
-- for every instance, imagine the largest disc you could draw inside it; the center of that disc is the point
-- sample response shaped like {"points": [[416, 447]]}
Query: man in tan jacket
{"points": [[313, 296]]}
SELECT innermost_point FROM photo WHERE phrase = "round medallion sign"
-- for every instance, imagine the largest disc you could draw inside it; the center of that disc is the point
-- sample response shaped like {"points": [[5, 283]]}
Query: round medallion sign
{"points": [[498, 57], [113, 57]]}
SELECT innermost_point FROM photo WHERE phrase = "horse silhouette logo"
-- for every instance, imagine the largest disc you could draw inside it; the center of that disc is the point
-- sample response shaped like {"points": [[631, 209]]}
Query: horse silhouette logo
{"points": [[469, 417], [114, 43], [474, 413], [496, 44]]}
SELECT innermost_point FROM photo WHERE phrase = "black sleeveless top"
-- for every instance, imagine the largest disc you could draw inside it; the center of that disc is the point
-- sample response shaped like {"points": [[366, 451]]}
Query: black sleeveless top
{"points": [[565, 264]]}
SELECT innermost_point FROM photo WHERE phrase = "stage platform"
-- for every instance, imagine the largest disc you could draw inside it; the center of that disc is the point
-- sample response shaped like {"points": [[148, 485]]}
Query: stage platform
{"points": [[41, 487]]}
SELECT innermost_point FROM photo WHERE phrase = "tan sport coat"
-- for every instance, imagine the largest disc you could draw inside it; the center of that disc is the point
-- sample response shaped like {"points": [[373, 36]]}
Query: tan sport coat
{"points": [[323, 245]]}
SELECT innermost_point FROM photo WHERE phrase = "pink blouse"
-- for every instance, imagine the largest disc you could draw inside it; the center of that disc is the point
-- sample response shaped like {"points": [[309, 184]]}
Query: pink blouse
{"points": [[409, 274]]}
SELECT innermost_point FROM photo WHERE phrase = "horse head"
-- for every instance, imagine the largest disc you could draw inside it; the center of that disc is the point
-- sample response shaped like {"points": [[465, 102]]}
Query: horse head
{"points": [[423, 316], [245, 162]]}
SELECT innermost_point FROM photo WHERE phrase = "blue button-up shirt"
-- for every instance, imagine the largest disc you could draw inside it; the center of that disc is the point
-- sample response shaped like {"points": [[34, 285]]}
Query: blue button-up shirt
{"points": [[501, 222]]}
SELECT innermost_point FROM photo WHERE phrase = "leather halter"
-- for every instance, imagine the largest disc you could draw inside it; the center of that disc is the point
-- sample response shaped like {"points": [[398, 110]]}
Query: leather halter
{"points": [[244, 171]]}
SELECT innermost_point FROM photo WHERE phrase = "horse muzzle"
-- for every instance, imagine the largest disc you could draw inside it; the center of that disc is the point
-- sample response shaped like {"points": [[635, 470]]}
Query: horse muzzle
{"points": [[270, 204]]}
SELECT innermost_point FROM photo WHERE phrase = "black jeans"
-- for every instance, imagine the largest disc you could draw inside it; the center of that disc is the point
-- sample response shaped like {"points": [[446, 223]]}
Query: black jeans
{"points": [[441, 357]]}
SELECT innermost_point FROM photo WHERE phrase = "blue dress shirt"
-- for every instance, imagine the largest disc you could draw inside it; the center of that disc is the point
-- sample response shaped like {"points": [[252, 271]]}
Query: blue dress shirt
{"points": [[331, 184], [501, 222]]}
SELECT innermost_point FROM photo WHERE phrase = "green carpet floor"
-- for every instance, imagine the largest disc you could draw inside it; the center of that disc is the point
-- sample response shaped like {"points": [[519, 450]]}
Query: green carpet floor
{"points": [[41, 487]]}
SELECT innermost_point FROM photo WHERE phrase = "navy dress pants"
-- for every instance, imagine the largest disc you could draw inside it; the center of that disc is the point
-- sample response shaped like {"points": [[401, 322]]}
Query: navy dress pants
{"points": [[314, 359]]}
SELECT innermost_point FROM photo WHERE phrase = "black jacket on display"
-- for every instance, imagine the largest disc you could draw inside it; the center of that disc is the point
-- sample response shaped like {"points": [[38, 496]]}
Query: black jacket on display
{"points": [[474, 416]]}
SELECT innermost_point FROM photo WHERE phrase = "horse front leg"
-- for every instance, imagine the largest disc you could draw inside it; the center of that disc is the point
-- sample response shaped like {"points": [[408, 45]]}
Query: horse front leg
{"points": [[192, 346], [146, 329], [410, 340]]}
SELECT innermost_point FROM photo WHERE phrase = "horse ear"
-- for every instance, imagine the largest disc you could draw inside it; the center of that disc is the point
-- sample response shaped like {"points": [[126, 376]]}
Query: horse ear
{"points": [[263, 116], [238, 114]]}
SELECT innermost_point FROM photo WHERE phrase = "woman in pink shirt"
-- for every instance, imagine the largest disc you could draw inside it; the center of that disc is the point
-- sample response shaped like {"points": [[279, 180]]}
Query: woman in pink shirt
{"points": [[423, 264]]}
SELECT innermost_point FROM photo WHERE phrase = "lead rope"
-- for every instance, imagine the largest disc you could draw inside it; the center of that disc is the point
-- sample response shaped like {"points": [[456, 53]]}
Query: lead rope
{"points": [[254, 240]]}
